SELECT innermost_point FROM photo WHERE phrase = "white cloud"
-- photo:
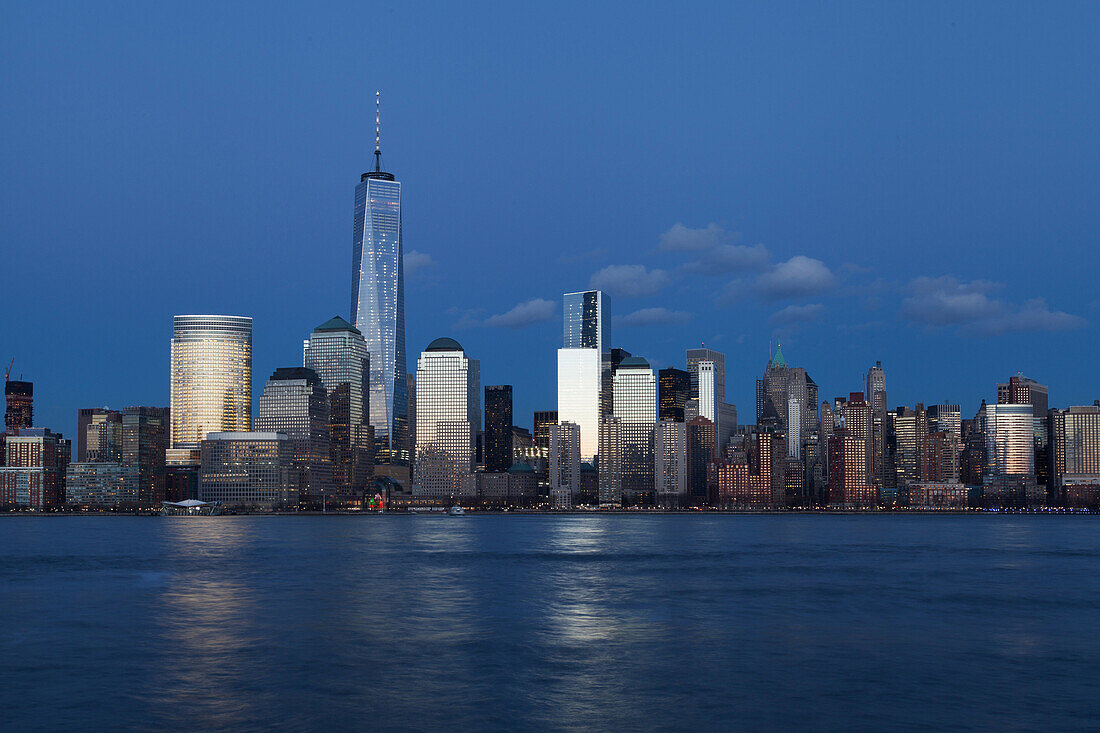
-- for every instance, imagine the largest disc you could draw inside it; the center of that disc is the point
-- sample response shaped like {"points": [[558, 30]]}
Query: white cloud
{"points": [[416, 261], [680, 238], [653, 317], [730, 258], [523, 314], [947, 302], [795, 314], [628, 281], [797, 277]]}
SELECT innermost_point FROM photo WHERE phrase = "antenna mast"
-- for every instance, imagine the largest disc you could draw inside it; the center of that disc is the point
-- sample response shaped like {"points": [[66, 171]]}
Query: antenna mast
{"points": [[378, 131]]}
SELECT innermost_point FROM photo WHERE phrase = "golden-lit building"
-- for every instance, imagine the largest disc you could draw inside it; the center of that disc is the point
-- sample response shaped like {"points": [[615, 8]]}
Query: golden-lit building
{"points": [[211, 377]]}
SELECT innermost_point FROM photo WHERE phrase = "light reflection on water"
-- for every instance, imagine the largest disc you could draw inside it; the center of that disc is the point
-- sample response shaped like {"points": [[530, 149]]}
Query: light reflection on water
{"points": [[541, 622]]}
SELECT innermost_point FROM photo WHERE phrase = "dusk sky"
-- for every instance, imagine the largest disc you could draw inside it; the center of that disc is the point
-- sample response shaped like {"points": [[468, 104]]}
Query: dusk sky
{"points": [[915, 183]]}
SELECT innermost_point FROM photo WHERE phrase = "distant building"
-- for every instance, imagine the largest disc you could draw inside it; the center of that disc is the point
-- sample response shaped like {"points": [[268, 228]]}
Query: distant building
{"points": [[779, 385], [635, 406], [1009, 476], [755, 477], [610, 481], [448, 413], [580, 368], [34, 464], [673, 392], [337, 353], [1075, 443], [19, 400], [516, 487], [849, 483], [543, 419], [498, 428], [670, 462], [565, 463], [211, 380], [249, 470], [701, 453], [1020, 390], [145, 433], [295, 403], [98, 435], [100, 485], [938, 495]]}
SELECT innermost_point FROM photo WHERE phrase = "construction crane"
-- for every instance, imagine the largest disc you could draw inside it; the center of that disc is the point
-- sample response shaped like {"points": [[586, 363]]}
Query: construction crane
{"points": [[7, 374]]}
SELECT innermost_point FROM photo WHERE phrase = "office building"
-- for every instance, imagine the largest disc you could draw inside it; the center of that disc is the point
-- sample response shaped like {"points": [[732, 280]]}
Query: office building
{"points": [[875, 394], [378, 310], [448, 413], [779, 385], [938, 494], [635, 406], [912, 450], [516, 487], [295, 403], [609, 362], [248, 470], [102, 485], [701, 454], [610, 479], [1075, 444], [565, 464], [337, 354], [99, 430], [754, 477], [1020, 390], [498, 428], [580, 367], [849, 483], [211, 388], [673, 392], [670, 462], [1009, 475], [144, 445], [19, 405]]}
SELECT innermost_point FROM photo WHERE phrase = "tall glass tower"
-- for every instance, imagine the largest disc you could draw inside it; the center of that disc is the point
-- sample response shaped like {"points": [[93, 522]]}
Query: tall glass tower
{"points": [[378, 306], [211, 377]]}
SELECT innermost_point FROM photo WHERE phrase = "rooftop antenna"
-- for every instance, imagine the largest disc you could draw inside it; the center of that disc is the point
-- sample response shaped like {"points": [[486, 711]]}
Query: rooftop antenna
{"points": [[378, 131]]}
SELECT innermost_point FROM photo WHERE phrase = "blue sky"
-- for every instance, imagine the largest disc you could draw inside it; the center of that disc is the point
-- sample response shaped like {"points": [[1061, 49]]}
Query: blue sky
{"points": [[915, 183]]}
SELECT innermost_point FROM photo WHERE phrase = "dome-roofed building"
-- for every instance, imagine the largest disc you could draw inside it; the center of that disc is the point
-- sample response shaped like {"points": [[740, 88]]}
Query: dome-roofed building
{"points": [[444, 344]]}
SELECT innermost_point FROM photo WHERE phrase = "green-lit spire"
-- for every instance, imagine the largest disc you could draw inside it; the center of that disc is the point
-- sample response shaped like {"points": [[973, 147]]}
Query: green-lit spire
{"points": [[778, 359]]}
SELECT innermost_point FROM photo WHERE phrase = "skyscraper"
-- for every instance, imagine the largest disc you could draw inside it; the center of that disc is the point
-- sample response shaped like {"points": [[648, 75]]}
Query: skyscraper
{"points": [[635, 407], [378, 308], [670, 462], [580, 367], [1020, 390], [1009, 476], [337, 353], [144, 442], [875, 392], [777, 387], [448, 413], [565, 464], [98, 429], [211, 377], [498, 428], [19, 400], [673, 392], [296, 404]]}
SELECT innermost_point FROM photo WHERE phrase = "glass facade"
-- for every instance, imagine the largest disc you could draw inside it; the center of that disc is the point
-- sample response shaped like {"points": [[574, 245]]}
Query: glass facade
{"points": [[211, 377], [498, 428], [583, 320], [337, 353], [378, 310], [247, 469], [1009, 433], [579, 395]]}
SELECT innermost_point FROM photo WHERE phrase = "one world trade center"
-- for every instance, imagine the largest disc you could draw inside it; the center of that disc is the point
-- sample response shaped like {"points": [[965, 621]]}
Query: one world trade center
{"points": [[378, 310]]}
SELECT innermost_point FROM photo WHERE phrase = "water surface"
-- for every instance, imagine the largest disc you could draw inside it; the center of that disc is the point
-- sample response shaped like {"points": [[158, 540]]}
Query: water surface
{"points": [[550, 622]]}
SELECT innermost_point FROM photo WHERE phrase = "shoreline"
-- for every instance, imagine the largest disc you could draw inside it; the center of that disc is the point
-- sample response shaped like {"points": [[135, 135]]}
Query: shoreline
{"points": [[1053, 512]]}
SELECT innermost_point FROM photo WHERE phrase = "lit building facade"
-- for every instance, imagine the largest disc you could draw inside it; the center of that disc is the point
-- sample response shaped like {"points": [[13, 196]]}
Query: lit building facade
{"points": [[101, 485], [211, 369], [378, 310], [1075, 443], [251, 470], [448, 413], [336, 352], [610, 480], [580, 367], [99, 430], [18, 404], [295, 403], [635, 406], [35, 461], [565, 463], [673, 392], [144, 446], [670, 462]]}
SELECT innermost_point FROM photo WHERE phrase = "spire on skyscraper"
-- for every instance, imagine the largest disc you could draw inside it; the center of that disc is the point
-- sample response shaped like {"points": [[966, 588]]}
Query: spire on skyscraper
{"points": [[378, 131]]}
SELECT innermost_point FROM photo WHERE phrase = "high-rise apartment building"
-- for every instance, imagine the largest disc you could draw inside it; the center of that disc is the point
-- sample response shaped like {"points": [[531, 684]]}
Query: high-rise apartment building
{"points": [[211, 387], [610, 478], [35, 461], [98, 429], [875, 394], [378, 309], [337, 354], [635, 406], [580, 367], [498, 428], [295, 403], [849, 484], [448, 413]]}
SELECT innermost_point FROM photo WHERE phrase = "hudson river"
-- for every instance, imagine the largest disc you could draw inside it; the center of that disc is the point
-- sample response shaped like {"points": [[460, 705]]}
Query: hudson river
{"points": [[550, 622]]}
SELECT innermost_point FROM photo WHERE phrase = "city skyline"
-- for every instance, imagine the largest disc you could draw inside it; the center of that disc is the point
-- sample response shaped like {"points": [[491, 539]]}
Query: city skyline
{"points": [[929, 263]]}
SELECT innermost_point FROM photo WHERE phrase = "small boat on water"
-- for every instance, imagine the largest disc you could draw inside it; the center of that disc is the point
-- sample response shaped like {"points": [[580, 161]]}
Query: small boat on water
{"points": [[456, 511]]}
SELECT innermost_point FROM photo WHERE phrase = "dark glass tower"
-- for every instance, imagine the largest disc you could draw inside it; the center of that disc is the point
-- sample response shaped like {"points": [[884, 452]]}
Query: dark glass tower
{"points": [[378, 306], [673, 390], [20, 404], [498, 428]]}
